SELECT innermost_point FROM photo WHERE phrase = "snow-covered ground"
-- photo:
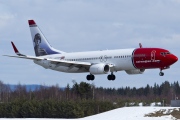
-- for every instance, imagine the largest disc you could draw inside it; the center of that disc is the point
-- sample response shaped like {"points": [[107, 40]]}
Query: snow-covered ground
{"points": [[125, 113], [131, 113]]}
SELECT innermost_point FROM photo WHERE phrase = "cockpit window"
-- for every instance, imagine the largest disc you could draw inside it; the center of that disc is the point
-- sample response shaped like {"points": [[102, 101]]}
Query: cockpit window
{"points": [[165, 53]]}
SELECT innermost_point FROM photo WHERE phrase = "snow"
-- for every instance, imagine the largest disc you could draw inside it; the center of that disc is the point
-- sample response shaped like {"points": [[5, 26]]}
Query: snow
{"points": [[131, 113], [159, 103], [141, 104], [155, 104], [125, 113]]}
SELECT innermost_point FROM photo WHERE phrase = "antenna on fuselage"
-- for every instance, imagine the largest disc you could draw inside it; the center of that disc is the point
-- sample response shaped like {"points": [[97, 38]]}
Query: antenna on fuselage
{"points": [[140, 45]]}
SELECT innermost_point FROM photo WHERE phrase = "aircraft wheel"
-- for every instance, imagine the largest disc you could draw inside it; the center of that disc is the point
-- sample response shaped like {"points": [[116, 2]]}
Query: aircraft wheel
{"points": [[111, 77], [161, 74], [90, 77]]}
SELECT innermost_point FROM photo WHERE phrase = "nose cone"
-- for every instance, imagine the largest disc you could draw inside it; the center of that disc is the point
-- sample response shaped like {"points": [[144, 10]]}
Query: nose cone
{"points": [[173, 59]]}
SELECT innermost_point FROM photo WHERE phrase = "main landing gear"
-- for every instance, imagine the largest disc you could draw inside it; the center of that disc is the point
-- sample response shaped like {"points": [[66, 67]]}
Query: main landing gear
{"points": [[90, 77], [111, 77]]}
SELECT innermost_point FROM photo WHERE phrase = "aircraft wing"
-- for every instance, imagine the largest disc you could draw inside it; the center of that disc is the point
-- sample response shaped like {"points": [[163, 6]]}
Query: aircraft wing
{"points": [[25, 57], [69, 62], [53, 61]]}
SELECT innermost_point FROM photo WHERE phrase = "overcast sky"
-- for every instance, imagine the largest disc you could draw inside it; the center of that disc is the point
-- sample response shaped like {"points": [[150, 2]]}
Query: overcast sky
{"points": [[85, 25]]}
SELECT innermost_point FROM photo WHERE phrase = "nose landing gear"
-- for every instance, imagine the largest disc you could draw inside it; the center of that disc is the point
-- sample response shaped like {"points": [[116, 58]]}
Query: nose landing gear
{"points": [[161, 74]]}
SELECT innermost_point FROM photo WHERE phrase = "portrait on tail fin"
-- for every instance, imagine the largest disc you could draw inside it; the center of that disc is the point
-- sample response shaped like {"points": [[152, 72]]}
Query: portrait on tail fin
{"points": [[38, 50]]}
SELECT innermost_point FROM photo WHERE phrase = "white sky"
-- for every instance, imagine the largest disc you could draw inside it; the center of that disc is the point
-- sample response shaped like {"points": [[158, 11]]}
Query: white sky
{"points": [[84, 25]]}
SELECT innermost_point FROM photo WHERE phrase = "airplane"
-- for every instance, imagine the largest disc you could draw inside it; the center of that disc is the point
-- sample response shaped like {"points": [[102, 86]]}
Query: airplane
{"points": [[132, 61]]}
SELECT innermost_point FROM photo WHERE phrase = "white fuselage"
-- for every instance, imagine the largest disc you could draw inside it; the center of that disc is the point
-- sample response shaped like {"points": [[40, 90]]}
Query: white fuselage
{"points": [[121, 59]]}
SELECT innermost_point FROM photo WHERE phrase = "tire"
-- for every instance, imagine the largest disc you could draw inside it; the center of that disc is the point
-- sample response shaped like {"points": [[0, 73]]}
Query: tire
{"points": [[88, 77], [109, 77], [161, 74], [92, 77], [113, 77]]}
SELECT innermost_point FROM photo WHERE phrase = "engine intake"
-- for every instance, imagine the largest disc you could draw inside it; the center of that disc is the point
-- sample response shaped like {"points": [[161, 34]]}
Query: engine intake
{"points": [[99, 69]]}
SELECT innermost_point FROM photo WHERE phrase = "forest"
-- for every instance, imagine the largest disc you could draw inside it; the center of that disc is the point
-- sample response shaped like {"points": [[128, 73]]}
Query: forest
{"points": [[79, 100]]}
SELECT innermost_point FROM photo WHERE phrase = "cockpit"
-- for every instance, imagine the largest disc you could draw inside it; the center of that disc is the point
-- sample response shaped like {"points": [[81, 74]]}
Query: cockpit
{"points": [[165, 53]]}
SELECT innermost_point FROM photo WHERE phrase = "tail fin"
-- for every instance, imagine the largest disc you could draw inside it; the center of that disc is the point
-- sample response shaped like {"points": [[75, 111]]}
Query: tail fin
{"points": [[41, 45]]}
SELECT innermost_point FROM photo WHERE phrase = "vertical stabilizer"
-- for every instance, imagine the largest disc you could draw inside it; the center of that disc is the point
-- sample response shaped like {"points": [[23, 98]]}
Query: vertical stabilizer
{"points": [[41, 45]]}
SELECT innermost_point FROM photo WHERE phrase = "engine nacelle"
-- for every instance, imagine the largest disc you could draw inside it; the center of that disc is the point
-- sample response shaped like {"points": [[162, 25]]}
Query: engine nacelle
{"points": [[99, 69], [136, 71]]}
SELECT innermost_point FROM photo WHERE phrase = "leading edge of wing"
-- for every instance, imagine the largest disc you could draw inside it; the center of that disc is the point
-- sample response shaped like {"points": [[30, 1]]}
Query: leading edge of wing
{"points": [[51, 60], [25, 57], [69, 62]]}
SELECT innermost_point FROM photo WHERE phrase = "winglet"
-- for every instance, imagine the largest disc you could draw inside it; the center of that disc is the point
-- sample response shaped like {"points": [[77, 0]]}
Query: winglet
{"points": [[16, 50], [14, 47], [140, 45]]}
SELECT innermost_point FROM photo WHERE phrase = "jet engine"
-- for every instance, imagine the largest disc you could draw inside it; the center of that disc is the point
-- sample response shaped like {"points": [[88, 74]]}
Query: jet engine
{"points": [[136, 71], [99, 69]]}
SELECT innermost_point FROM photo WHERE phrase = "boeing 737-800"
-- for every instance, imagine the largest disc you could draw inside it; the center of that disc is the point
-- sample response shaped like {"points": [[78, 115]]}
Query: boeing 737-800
{"points": [[133, 61]]}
